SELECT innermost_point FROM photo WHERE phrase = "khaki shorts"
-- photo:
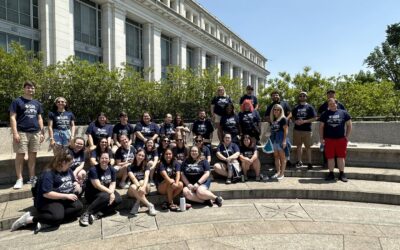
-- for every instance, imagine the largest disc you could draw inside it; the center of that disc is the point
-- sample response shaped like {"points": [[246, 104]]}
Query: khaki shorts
{"points": [[217, 118], [302, 137], [29, 142]]}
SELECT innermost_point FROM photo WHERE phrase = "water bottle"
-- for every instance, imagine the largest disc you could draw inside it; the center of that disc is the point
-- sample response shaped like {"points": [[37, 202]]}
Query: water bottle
{"points": [[321, 147], [182, 203]]}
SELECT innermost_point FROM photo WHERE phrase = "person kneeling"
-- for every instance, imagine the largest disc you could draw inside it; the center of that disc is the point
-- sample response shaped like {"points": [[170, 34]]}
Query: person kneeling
{"points": [[169, 175], [100, 191], [138, 173], [56, 197], [196, 177]]}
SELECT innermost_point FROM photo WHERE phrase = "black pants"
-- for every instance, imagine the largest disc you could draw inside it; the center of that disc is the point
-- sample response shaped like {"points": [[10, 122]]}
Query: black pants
{"points": [[57, 211], [99, 203]]}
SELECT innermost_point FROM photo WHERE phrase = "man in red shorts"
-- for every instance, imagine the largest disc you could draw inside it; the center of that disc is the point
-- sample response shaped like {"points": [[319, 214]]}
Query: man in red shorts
{"points": [[334, 131]]}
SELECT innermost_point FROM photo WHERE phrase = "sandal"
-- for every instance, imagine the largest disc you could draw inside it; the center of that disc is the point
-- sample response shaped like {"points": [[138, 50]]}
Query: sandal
{"points": [[188, 206], [164, 205], [173, 207]]}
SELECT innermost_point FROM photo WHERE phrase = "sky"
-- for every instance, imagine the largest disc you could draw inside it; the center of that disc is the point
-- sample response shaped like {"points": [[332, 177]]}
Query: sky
{"points": [[333, 37]]}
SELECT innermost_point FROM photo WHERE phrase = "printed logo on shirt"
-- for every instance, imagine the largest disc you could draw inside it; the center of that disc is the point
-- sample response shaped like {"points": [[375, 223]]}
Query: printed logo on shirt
{"points": [[30, 110], [202, 129], [67, 185], [334, 120], [105, 179]]}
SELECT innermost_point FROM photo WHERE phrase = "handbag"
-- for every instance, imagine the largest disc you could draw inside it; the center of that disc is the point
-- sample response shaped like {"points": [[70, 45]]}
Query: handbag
{"points": [[268, 147], [235, 168]]}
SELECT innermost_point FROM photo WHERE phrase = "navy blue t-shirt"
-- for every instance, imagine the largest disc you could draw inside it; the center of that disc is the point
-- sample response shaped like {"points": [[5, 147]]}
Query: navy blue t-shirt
{"points": [[324, 107], [104, 176], [147, 130], [230, 124], [99, 132], [249, 121], [205, 151], [248, 151], [220, 102], [137, 171], [195, 170], [61, 120], [150, 155], [27, 112], [277, 126], [249, 97], [203, 128], [60, 182], [79, 157], [170, 169], [228, 151], [124, 154], [335, 123], [285, 106], [120, 129], [168, 130], [303, 112]]}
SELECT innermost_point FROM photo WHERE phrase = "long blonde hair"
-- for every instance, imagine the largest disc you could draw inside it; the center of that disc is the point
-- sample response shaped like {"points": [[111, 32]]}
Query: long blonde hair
{"points": [[221, 87], [271, 114]]}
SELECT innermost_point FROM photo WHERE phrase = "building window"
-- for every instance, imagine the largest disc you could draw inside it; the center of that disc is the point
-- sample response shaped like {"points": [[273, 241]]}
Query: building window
{"points": [[189, 58], [23, 12], [208, 61], [196, 20], [27, 43], [134, 56], [223, 72], [166, 44], [87, 30]]}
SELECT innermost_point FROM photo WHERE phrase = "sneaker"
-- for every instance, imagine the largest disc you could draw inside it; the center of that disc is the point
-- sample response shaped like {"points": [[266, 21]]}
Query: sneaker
{"points": [[41, 226], [330, 177], [208, 203], [299, 164], [275, 176], [152, 184], [127, 185], [309, 166], [135, 208], [228, 181], [84, 220], [219, 201], [264, 177], [280, 177], [152, 210], [19, 183], [32, 180], [22, 221], [343, 177]]}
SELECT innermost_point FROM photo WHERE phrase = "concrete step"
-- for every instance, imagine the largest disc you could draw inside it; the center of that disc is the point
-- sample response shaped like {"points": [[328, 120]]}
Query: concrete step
{"points": [[288, 188], [7, 193]]}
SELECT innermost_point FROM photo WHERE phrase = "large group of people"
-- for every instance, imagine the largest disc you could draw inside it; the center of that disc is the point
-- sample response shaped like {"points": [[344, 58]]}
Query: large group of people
{"points": [[137, 158]]}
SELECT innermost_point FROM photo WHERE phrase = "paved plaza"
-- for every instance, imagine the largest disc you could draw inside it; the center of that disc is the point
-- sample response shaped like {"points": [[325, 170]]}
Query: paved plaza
{"points": [[238, 224]]}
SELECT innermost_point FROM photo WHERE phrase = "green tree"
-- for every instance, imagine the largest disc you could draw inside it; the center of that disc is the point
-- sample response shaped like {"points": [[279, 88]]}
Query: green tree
{"points": [[385, 60]]}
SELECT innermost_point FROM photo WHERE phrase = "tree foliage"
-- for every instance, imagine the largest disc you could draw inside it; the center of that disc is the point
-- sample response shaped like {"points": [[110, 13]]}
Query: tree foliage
{"points": [[385, 60]]}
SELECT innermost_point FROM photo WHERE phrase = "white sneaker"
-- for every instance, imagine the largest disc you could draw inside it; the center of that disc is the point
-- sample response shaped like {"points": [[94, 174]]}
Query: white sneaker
{"points": [[135, 208], [21, 222], [152, 210], [127, 185], [152, 184], [264, 177], [280, 177], [19, 183], [275, 176]]}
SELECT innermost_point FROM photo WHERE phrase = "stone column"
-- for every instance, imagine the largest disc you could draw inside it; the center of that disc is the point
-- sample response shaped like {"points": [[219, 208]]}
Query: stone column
{"points": [[152, 51], [183, 54], [119, 37], [216, 62], [228, 69], [182, 10], [199, 58], [57, 30]]}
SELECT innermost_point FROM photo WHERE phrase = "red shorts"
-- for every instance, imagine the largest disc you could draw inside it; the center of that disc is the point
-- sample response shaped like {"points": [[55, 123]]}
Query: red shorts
{"points": [[335, 148]]}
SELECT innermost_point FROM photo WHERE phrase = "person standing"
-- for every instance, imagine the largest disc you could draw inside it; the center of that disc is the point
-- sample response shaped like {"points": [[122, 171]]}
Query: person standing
{"points": [[218, 104], [324, 106], [303, 115], [122, 128], [61, 125], [27, 128], [334, 131], [276, 99], [250, 96], [203, 126]]}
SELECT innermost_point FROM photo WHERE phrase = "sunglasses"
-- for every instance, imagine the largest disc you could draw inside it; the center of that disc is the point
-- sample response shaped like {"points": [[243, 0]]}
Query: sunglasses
{"points": [[179, 140], [277, 110], [60, 102], [165, 140], [198, 140]]}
